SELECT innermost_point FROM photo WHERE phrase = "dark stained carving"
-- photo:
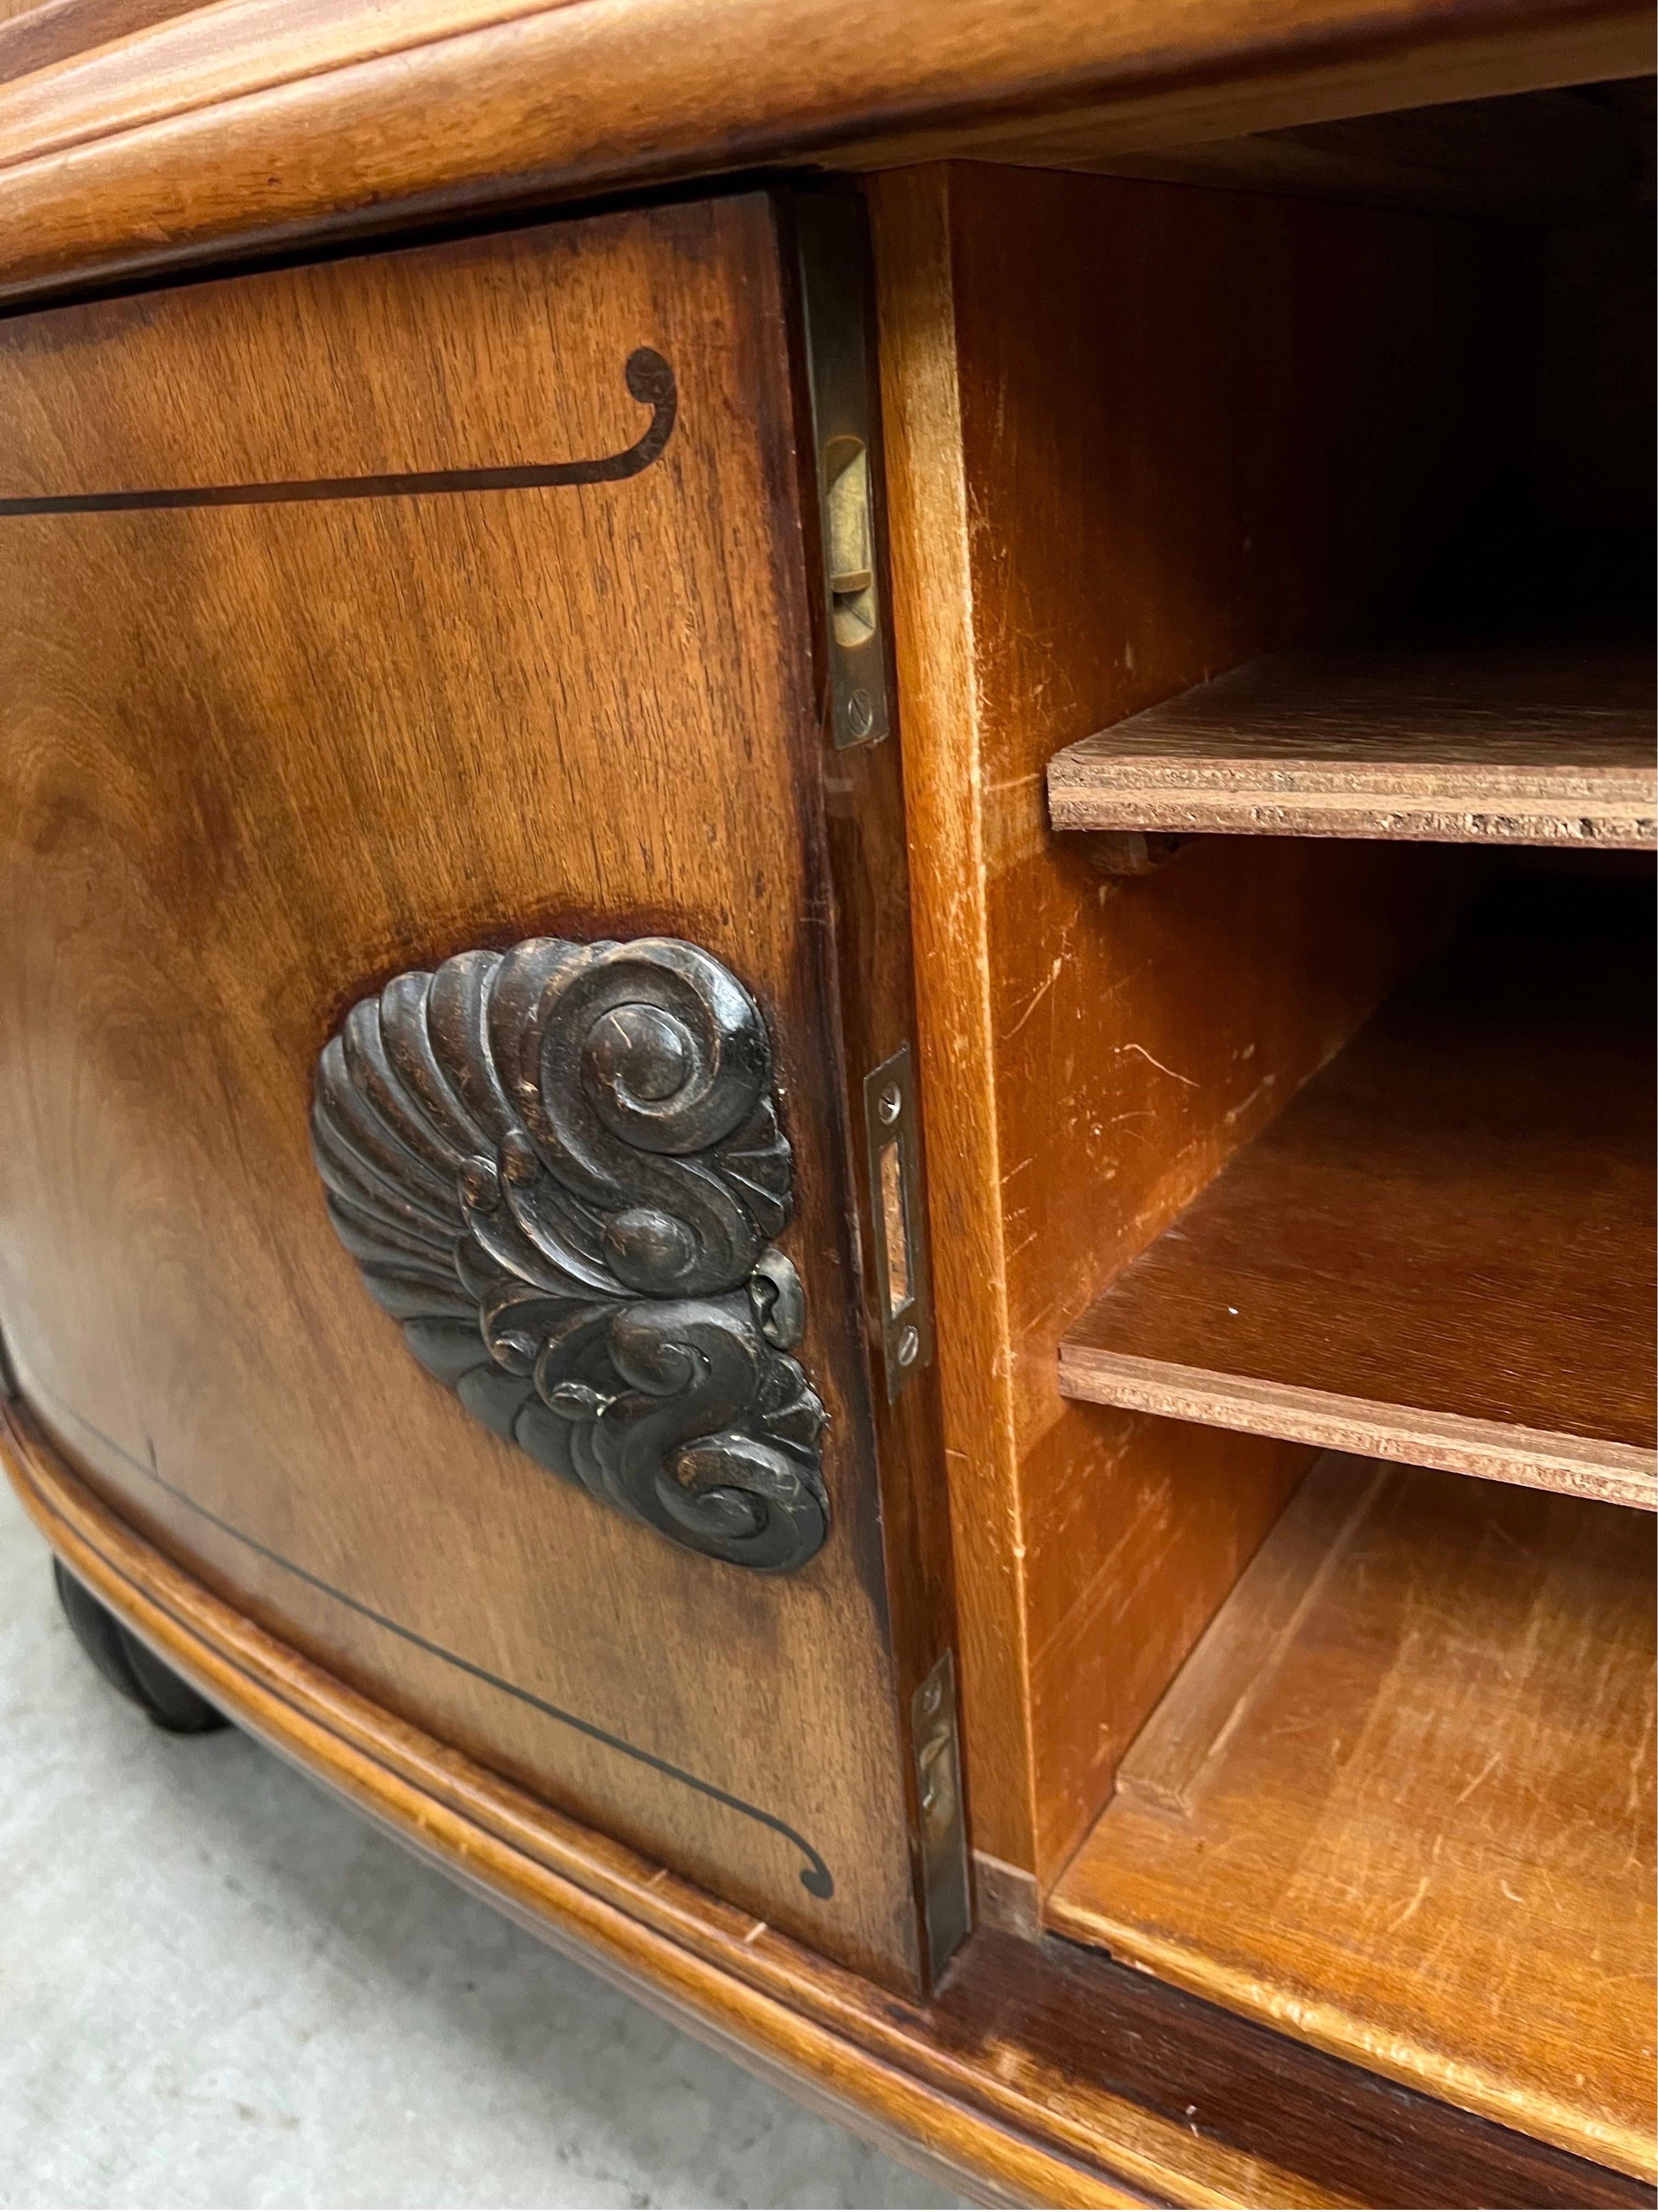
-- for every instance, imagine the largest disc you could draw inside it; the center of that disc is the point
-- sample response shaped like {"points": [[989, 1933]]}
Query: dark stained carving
{"points": [[560, 1167]]}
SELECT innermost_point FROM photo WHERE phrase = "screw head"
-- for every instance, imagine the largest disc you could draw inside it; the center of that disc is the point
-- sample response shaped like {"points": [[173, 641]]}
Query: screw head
{"points": [[909, 1344], [891, 1104], [860, 713]]}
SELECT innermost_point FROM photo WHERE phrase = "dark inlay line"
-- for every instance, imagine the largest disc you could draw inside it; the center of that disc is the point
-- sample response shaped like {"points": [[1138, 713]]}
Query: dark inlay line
{"points": [[815, 1876], [650, 380]]}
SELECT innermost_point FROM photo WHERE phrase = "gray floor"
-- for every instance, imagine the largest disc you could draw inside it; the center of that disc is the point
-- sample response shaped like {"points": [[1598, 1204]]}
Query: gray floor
{"points": [[219, 1988]]}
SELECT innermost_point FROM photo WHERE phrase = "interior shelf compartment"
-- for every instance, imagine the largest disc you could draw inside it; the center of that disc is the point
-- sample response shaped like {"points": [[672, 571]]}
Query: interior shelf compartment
{"points": [[1441, 1250], [1399, 1803], [1475, 744]]}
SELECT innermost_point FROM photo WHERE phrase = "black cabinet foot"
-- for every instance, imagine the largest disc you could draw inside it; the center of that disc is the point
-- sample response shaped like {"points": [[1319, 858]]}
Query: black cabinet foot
{"points": [[130, 1666]]}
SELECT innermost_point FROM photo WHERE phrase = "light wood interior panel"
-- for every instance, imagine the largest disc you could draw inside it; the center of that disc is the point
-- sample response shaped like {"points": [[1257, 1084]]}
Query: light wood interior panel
{"points": [[1137, 435], [1441, 1250], [257, 759], [1400, 1801]]}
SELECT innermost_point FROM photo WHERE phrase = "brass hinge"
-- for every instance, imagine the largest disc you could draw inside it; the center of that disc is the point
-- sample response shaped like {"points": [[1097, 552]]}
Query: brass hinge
{"points": [[838, 329]]}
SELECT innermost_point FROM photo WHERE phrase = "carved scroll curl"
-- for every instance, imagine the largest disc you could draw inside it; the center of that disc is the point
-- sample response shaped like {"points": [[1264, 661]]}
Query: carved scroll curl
{"points": [[560, 1167]]}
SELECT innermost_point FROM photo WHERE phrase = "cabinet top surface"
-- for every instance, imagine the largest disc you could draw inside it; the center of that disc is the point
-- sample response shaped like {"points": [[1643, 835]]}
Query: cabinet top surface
{"points": [[137, 135]]}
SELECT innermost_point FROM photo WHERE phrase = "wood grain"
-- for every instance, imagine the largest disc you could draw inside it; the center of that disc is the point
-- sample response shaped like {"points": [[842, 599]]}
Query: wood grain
{"points": [[1545, 155], [1411, 1818], [1443, 1248], [1039, 2075], [259, 759], [1115, 414], [33, 35], [252, 125], [1464, 745]]}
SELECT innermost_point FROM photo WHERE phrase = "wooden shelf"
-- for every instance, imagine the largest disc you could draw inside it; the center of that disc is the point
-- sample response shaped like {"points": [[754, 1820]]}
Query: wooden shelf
{"points": [[1464, 745], [1441, 1250], [1399, 1803]]}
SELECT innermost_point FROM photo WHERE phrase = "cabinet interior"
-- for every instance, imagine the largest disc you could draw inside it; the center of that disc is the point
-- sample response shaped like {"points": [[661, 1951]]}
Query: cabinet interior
{"points": [[1302, 511]]}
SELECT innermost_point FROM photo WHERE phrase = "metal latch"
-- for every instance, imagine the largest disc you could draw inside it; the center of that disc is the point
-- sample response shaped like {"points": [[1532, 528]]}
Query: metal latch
{"points": [[894, 1198], [834, 281], [942, 1828]]}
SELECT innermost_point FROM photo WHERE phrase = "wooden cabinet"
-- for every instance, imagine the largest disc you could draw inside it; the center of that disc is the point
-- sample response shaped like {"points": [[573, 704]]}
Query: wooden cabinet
{"points": [[535, 756], [386, 614]]}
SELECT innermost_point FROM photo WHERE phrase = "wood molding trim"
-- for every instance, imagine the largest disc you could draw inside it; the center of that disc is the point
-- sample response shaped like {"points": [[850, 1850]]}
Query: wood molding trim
{"points": [[973, 2088], [259, 124], [651, 1934]]}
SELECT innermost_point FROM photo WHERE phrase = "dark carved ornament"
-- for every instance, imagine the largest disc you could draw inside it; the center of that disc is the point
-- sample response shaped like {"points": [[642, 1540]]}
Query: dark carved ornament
{"points": [[560, 1167]]}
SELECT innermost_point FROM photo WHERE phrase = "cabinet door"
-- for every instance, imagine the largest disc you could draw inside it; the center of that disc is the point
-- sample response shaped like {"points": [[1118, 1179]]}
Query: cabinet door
{"points": [[365, 622]]}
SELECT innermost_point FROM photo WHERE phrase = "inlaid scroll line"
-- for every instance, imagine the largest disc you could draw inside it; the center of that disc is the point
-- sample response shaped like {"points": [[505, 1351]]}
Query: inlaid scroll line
{"points": [[650, 380]]}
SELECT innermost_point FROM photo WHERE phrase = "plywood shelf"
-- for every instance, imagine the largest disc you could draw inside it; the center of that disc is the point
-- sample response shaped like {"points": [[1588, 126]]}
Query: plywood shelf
{"points": [[1399, 1803], [1468, 746], [1441, 1250]]}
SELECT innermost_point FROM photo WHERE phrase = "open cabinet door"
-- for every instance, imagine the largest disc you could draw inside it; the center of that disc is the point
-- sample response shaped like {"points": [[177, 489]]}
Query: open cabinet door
{"points": [[445, 946]]}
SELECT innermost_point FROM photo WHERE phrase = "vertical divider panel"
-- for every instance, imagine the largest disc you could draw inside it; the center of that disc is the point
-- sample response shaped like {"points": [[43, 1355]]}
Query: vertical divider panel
{"points": [[1136, 434]]}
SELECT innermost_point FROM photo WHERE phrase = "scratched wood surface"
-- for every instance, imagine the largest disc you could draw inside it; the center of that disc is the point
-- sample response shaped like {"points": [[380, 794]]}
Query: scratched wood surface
{"points": [[1401, 1802], [1136, 435], [258, 759]]}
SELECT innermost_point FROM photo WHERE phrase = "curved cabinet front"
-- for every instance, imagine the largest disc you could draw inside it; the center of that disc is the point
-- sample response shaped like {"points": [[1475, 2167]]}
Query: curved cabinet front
{"points": [[365, 622]]}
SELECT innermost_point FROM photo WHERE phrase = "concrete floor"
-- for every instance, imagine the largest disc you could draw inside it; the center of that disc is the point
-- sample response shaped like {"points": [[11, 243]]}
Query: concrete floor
{"points": [[220, 1988]]}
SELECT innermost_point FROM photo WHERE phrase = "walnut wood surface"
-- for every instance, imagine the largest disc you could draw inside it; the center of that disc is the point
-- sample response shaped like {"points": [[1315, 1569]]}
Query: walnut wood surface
{"points": [[266, 122], [1471, 746], [1412, 1817], [1545, 156], [1135, 434], [259, 758], [1443, 1249], [33, 36], [1038, 2075]]}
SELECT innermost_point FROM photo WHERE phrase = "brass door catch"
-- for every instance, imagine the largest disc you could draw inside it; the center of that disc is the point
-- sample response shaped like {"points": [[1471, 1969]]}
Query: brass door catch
{"points": [[943, 1824], [833, 257], [903, 1295]]}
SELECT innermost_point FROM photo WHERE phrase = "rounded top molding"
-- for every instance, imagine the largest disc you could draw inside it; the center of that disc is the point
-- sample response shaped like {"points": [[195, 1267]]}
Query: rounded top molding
{"points": [[129, 147]]}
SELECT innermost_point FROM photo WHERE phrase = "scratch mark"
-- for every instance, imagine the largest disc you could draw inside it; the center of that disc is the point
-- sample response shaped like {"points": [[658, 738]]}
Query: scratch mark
{"points": [[1421, 1892], [1041, 992], [1189, 1081], [1463, 1795]]}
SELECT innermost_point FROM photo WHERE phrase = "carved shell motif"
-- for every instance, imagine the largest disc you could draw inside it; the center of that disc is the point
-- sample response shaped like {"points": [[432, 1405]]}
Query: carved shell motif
{"points": [[560, 1167]]}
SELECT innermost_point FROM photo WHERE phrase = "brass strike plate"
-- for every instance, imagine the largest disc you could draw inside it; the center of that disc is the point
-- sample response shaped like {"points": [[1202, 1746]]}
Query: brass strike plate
{"points": [[942, 1826], [834, 260], [902, 1296]]}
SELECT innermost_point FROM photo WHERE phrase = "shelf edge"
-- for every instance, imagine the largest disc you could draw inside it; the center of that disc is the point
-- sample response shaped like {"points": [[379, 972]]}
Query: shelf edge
{"points": [[1575, 1466]]}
